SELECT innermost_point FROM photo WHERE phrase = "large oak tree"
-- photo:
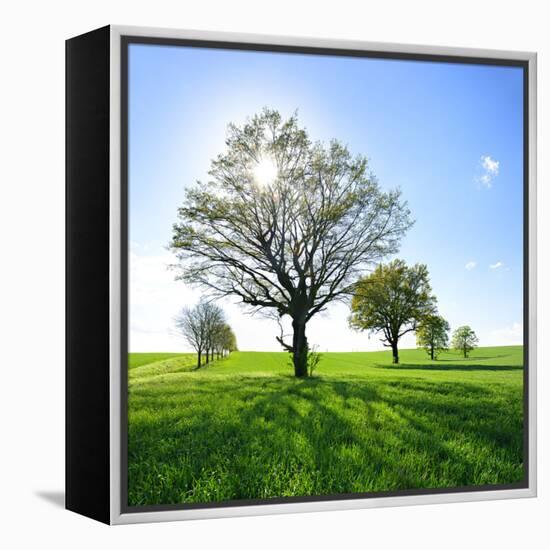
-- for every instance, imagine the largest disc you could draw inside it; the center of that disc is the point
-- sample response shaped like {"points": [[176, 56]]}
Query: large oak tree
{"points": [[285, 224]]}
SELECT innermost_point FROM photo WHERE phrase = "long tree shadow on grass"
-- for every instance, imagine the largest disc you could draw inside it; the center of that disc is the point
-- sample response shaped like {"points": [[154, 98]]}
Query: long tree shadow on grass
{"points": [[435, 366], [255, 438], [461, 358]]}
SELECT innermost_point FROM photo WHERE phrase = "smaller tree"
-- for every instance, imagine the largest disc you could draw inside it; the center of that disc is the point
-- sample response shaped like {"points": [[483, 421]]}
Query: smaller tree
{"points": [[229, 340], [190, 324], [432, 335], [214, 320], [392, 300], [464, 339], [226, 341], [218, 342]]}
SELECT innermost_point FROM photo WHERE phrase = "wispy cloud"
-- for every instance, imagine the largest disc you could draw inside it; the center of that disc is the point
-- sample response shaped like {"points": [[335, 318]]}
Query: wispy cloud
{"points": [[507, 336], [490, 169], [470, 265], [496, 265]]}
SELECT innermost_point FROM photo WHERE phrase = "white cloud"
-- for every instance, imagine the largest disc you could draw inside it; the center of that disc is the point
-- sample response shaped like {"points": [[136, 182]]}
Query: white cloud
{"points": [[507, 336], [490, 165], [490, 170], [497, 265], [470, 265]]}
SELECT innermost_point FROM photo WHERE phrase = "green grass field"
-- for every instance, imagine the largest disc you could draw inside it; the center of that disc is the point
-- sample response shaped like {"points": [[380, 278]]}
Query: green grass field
{"points": [[245, 428]]}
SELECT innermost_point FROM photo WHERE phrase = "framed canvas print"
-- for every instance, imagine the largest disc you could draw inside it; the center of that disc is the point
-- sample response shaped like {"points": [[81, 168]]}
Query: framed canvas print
{"points": [[300, 274]]}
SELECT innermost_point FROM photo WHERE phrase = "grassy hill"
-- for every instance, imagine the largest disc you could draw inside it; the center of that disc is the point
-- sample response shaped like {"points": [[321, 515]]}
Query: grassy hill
{"points": [[244, 428]]}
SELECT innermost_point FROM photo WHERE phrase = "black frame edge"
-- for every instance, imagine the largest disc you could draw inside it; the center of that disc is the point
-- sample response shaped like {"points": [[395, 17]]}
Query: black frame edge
{"points": [[87, 401]]}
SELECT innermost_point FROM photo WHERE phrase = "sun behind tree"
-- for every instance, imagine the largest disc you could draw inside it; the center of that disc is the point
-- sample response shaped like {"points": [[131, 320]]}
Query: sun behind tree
{"points": [[285, 225]]}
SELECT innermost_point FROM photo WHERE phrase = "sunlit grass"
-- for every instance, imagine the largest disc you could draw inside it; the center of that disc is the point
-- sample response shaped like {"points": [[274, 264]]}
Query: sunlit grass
{"points": [[245, 428]]}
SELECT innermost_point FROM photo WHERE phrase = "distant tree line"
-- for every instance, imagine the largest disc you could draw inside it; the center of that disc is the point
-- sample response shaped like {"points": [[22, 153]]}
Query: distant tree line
{"points": [[205, 328]]}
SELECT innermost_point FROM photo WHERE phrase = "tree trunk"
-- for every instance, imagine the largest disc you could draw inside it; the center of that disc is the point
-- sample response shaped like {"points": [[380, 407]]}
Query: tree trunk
{"points": [[207, 356], [300, 349], [199, 359], [432, 352], [395, 353]]}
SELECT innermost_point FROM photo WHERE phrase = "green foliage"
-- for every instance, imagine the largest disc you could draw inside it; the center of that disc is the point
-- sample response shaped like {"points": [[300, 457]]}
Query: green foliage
{"points": [[392, 300], [432, 335], [242, 428], [227, 340], [464, 339]]}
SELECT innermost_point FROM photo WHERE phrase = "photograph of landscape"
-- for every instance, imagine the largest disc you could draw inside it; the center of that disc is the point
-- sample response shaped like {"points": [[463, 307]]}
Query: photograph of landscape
{"points": [[325, 276]]}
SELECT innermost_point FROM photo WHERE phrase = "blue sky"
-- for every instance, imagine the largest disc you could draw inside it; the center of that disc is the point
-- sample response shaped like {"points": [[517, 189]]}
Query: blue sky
{"points": [[448, 135]]}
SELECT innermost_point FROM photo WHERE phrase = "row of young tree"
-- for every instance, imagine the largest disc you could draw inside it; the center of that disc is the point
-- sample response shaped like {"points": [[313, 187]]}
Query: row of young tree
{"points": [[396, 299], [205, 328]]}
